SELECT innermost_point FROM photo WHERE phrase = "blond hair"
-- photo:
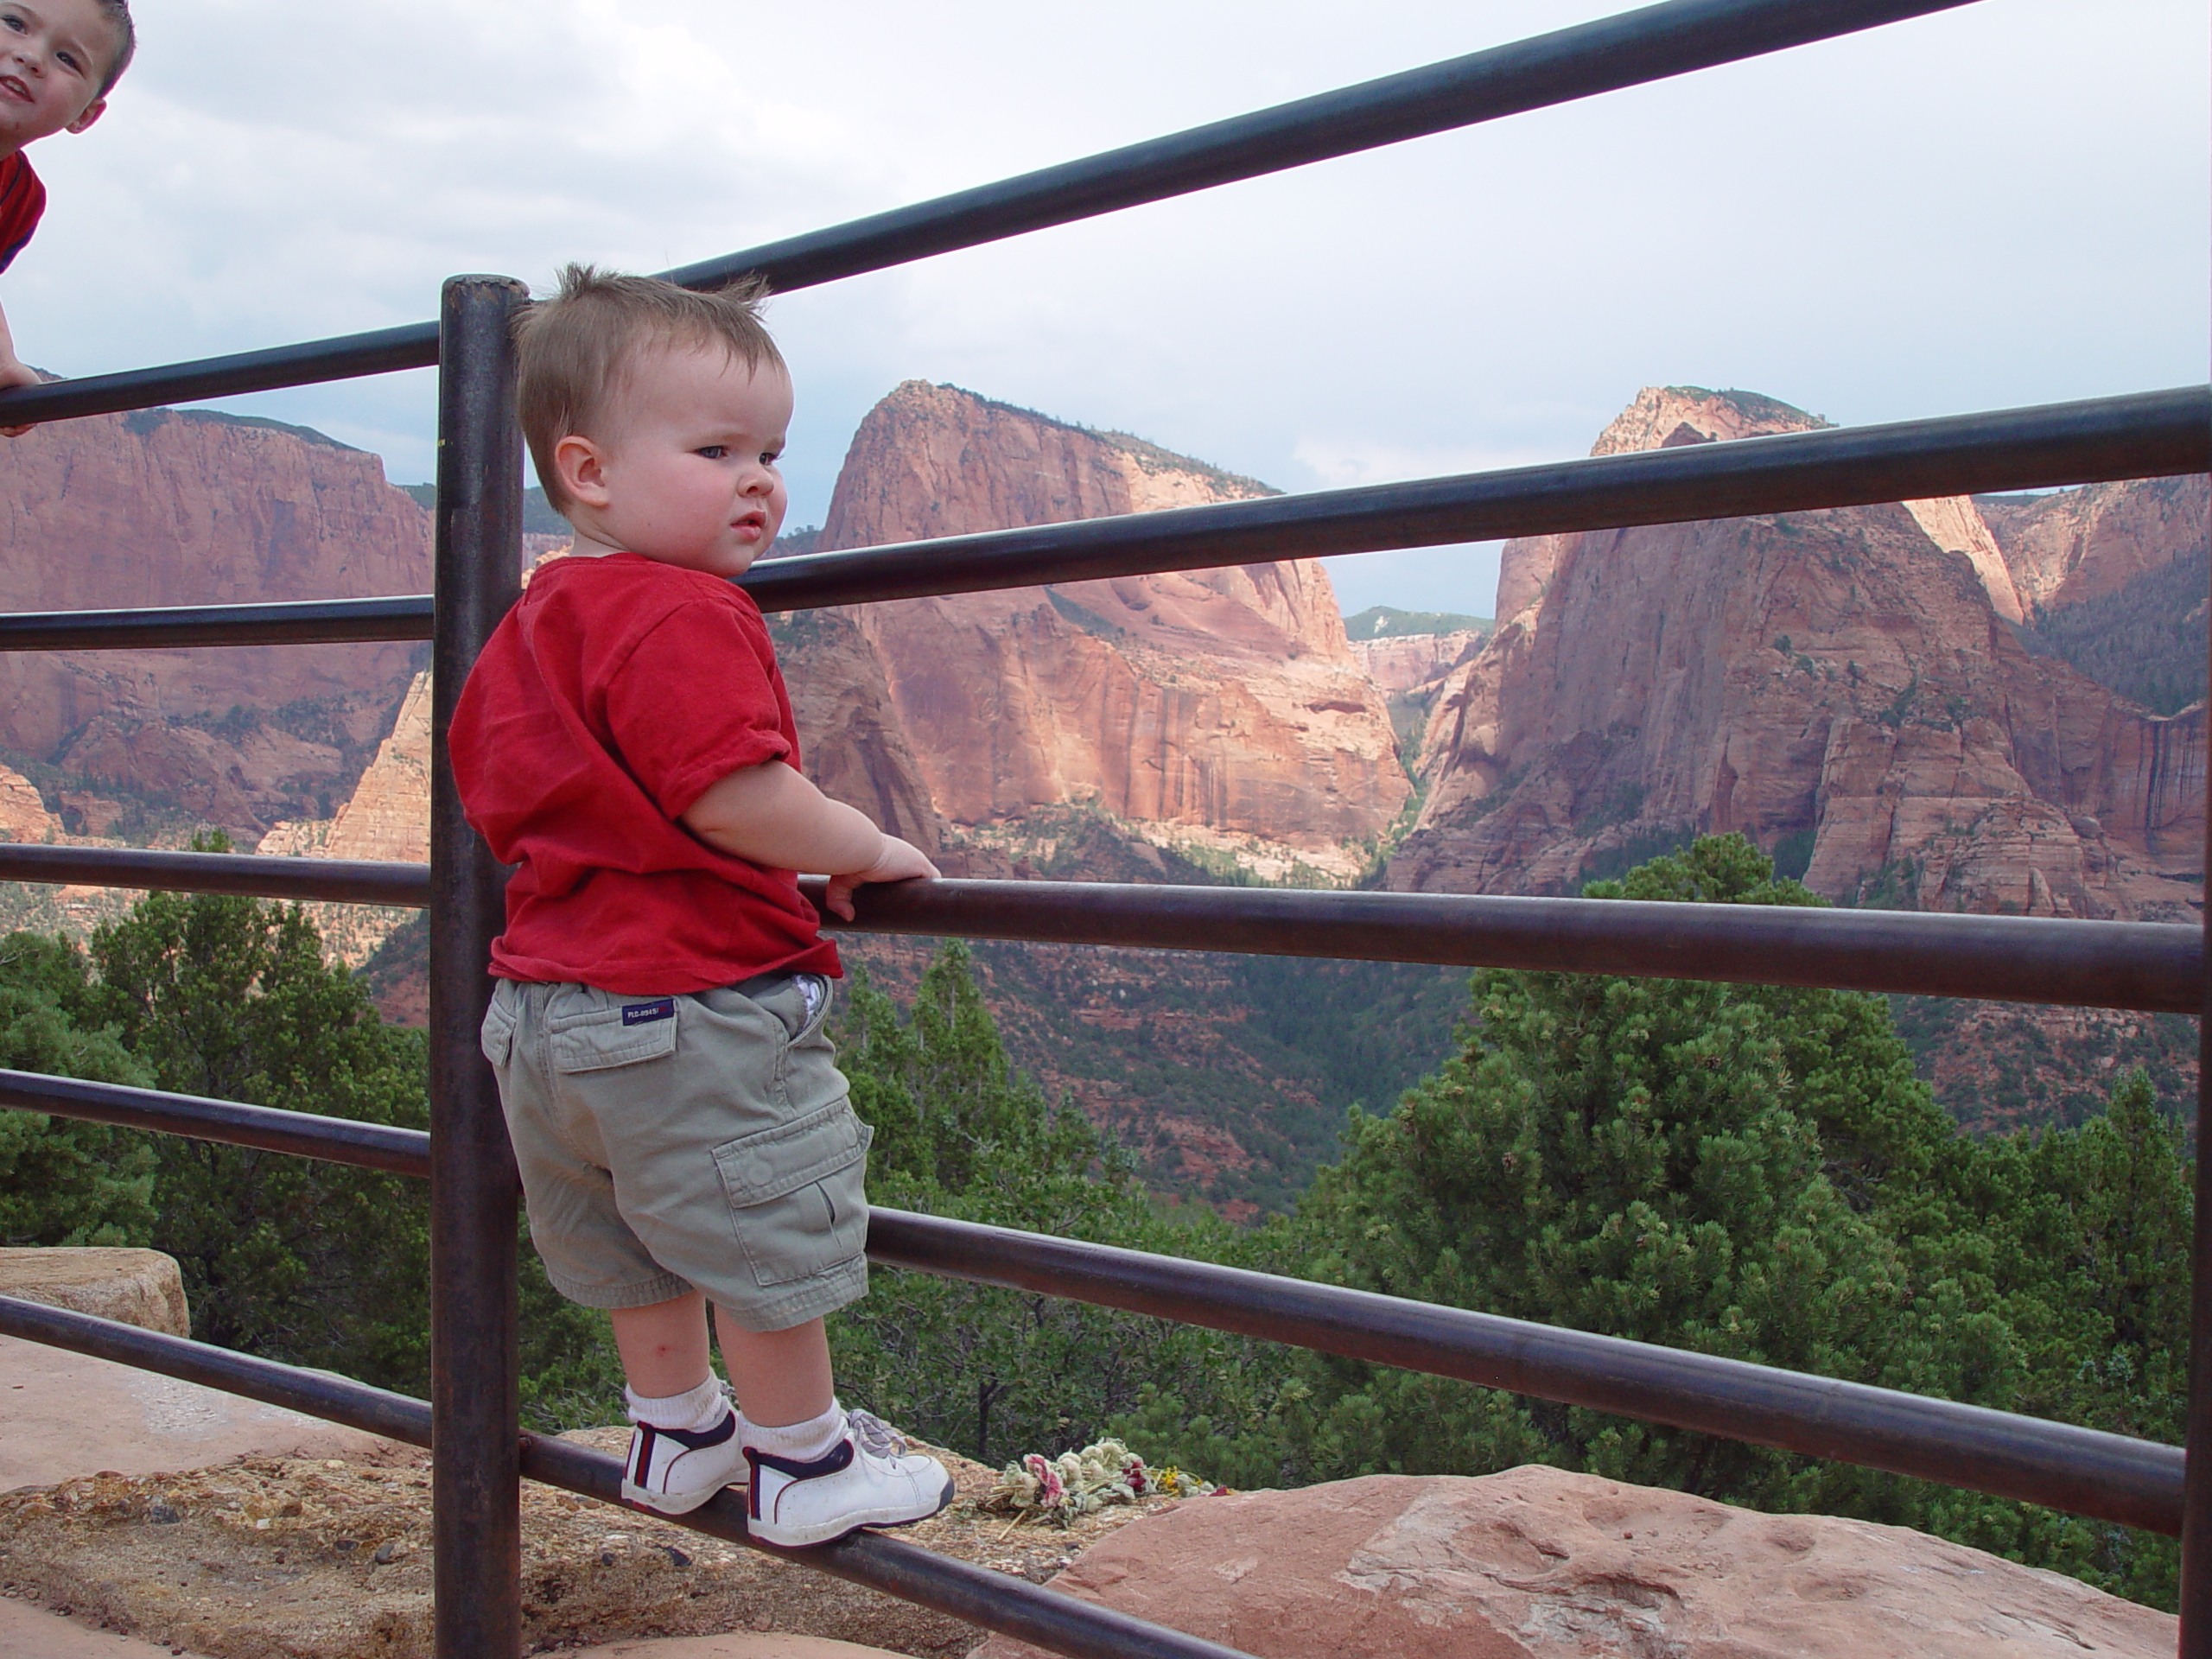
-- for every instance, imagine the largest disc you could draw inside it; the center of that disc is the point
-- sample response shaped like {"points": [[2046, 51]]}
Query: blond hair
{"points": [[576, 351]]}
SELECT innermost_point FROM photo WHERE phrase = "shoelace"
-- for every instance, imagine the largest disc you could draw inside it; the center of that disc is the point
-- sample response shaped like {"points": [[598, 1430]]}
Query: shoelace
{"points": [[876, 1435]]}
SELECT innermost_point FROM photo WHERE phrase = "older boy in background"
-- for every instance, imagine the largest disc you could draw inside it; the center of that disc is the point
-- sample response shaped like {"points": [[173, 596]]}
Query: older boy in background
{"points": [[59, 60]]}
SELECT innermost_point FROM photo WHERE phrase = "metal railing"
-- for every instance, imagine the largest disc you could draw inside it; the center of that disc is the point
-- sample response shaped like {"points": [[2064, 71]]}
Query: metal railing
{"points": [[481, 1453]]}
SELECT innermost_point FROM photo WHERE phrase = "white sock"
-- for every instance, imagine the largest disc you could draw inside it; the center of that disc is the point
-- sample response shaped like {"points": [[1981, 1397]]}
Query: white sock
{"points": [[801, 1442], [693, 1409]]}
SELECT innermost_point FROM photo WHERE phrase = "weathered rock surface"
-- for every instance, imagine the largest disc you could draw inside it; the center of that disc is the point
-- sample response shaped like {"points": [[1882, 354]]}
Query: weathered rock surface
{"points": [[1834, 676], [178, 507], [850, 739], [1536, 1563], [171, 507], [140, 1287], [388, 815], [1226, 701], [2077, 544], [1408, 662], [23, 816]]}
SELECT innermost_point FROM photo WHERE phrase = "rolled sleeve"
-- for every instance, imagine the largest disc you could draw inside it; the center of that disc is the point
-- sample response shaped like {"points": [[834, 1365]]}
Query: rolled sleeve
{"points": [[693, 704]]}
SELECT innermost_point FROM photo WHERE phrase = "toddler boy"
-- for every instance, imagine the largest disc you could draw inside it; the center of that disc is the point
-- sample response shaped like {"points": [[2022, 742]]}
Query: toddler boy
{"points": [[683, 1130], [59, 58]]}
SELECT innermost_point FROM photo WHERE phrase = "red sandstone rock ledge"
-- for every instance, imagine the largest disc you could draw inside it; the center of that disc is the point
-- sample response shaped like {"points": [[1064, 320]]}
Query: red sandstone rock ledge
{"points": [[1536, 1563]]}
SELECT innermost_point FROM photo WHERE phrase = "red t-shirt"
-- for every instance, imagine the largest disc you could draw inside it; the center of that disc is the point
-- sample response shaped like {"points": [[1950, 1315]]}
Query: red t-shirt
{"points": [[23, 199], [608, 699]]}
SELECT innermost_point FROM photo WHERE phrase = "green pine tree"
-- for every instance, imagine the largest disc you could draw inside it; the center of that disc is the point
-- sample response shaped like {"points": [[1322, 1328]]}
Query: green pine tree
{"points": [[316, 1263], [63, 1181]]}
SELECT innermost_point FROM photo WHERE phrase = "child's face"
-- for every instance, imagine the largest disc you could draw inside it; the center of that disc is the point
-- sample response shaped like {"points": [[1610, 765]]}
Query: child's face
{"points": [[54, 54], [683, 469]]}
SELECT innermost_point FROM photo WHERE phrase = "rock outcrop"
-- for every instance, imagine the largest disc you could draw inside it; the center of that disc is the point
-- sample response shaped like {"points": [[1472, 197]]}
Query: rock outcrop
{"points": [[1537, 1563], [23, 816], [1407, 662], [134, 1286], [1838, 684], [388, 815], [1225, 701], [166, 507], [2077, 544]]}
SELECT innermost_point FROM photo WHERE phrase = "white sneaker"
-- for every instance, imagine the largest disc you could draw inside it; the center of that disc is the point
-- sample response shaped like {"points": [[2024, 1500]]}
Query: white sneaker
{"points": [[853, 1484], [676, 1470]]}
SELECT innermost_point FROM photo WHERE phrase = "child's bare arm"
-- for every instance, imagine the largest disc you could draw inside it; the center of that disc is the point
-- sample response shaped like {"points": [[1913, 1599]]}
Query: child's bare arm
{"points": [[771, 814], [13, 372]]}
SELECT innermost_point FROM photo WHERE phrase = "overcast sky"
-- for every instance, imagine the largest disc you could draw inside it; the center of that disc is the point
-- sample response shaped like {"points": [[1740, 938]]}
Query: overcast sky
{"points": [[2001, 205]]}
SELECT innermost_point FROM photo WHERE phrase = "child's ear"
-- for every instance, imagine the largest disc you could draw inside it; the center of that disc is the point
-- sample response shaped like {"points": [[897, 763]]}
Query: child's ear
{"points": [[93, 112], [582, 469]]}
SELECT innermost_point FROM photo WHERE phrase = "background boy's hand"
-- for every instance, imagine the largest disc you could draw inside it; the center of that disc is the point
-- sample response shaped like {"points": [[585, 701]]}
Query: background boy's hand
{"points": [[901, 860], [13, 372]]}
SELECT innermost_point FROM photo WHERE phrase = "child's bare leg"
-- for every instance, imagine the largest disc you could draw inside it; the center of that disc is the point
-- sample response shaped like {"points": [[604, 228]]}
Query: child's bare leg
{"points": [[664, 1345], [781, 1376]]}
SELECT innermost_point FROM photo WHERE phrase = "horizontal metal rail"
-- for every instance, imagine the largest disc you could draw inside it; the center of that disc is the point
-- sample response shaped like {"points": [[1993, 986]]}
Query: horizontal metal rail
{"points": [[234, 1123], [2155, 966], [342, 880], [2081, 1471], [1655, 43], [995, 1601], [2158, 966], [284, 622], [2146, 435]]}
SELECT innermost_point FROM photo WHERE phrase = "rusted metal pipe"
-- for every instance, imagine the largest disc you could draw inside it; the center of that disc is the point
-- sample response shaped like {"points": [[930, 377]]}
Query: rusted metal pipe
{"points": [[476, 1519]]}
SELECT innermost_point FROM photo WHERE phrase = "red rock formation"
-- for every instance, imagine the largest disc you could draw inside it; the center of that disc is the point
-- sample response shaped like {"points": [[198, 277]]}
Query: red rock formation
{"points": [[850, 740], [2078, 544], [1835, 674], [1407, 662], [169, 507], [23, 816], [1536, 1563], [1225, 701]]}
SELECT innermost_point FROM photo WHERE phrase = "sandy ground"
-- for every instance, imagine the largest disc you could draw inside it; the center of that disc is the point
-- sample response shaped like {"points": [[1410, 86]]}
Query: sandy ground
{"points": [[28, 1632], [328, 1558]]}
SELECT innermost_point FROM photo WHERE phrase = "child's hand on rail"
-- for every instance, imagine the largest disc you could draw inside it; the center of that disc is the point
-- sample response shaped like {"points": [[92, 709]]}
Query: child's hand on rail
{"points": [[900, 861]]}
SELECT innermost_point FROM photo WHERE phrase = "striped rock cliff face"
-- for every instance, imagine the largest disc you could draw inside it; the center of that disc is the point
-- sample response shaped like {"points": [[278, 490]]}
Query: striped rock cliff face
{"points": [[2085, 544], [1223, 702], [1410, 662], [1848, 688], [164, 507]]}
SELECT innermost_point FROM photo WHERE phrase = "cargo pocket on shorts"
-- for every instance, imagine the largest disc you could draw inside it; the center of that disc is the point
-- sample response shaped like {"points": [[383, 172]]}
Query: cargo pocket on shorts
{"points": [[613, 1034], [797, 1194]]}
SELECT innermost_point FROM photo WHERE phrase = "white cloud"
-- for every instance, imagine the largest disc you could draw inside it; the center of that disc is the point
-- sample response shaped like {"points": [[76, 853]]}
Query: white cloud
{"points": [[2003, 204]]}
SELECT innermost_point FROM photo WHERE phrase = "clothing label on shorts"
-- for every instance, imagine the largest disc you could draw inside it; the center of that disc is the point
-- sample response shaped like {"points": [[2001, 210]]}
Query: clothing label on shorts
{"points": [[644, 1014]]}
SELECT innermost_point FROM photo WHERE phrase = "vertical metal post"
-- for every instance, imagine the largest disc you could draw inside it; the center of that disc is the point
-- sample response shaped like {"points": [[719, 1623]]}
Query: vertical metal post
{"points": [[2196, 1483], [476, 1481]]}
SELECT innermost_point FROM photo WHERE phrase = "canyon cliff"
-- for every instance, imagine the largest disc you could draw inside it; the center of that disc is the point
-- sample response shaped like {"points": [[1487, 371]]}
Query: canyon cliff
{"points": [[185, 507], [1854, 690], [1215, 704]]}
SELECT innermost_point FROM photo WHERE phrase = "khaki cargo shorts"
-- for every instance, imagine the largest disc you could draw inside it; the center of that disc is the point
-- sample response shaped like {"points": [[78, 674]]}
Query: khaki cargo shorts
{"points": [[673, 1142]]}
